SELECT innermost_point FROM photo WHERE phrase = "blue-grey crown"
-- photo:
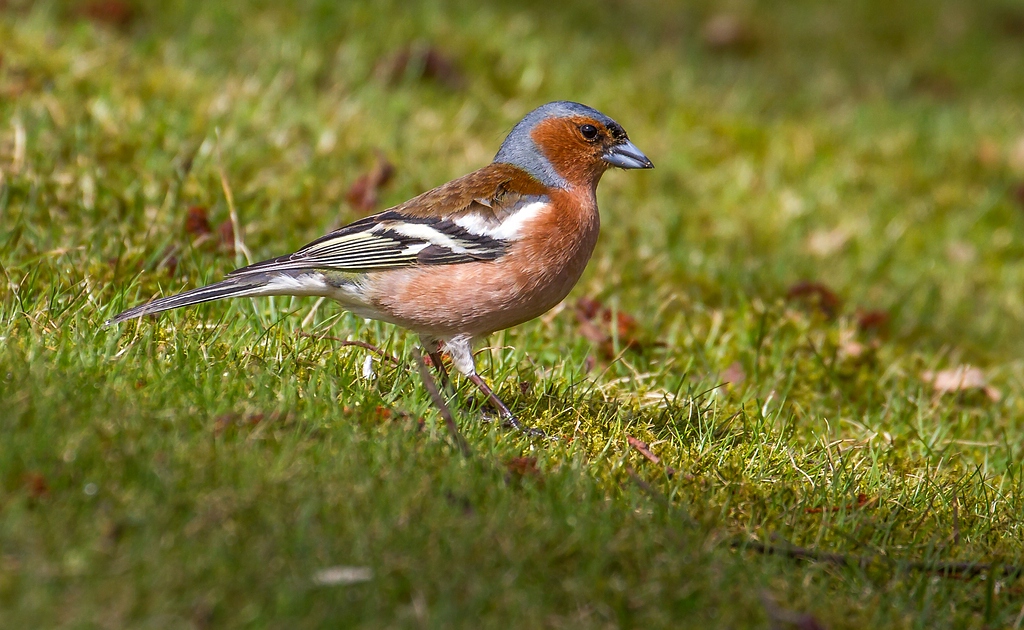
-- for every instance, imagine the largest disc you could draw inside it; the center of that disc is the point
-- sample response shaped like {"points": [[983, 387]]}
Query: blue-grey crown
{"points": [[520, 150]]}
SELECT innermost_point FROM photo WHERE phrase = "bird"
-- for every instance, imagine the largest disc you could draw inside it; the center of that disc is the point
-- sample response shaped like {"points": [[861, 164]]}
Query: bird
{"points": [[487, 251]]}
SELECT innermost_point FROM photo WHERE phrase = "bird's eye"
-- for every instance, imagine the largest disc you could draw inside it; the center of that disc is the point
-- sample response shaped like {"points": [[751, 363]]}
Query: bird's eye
{"points": [[589, 131]]}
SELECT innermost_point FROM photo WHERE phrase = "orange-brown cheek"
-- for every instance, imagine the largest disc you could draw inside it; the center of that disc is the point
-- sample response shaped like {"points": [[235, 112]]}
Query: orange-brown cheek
{"points": [[577, 161]]}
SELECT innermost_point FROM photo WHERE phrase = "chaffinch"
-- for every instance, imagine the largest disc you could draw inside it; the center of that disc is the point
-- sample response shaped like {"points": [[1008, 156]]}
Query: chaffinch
{"points": [[484, 252]]}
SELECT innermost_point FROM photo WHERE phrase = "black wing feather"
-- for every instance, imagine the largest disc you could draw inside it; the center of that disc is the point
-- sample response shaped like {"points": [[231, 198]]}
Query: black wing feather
{"points": [[385, 241]]}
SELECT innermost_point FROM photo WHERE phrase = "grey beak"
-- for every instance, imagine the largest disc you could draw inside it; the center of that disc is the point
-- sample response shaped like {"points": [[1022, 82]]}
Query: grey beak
{"points": [[626, 155]]}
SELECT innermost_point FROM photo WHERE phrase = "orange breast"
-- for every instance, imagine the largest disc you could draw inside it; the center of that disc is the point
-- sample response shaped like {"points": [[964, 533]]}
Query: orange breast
{"points": [[478, 298]]}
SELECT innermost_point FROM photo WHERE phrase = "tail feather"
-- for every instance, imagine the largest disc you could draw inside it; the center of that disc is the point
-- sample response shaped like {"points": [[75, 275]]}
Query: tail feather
{"points": [[241, 286]]}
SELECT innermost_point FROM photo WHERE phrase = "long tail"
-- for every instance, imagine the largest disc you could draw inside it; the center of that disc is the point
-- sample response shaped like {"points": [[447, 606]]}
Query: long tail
{"points": [[247, 285]]}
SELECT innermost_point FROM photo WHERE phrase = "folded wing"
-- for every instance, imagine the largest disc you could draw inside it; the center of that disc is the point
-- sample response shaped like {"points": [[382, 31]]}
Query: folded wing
{"points": [[384, 241], [439, 227]]}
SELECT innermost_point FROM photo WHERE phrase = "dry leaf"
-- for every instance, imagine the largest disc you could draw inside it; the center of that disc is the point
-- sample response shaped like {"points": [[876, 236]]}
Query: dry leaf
{"points": [[226, 232], [851, 350], [961, 252], [117, 13], [197, 221], [824, 243], [223, 421], [817, 295], [960, 379], [594, 320], [36, 485], [849, 346], [876, 321], [522, 466], [588, 308], [519, 468], [364, 192], [734, 374], [725, 32], [341, 575], [424, 63]]}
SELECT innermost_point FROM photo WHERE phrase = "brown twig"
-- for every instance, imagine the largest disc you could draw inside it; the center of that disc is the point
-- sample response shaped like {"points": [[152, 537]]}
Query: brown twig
{"points": [[956, 570], [359, 344], [803, 553], [646, 452], [943, 569], [442, 406]]}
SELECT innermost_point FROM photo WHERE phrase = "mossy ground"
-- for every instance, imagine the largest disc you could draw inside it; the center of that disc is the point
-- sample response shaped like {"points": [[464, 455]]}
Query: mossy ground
{"points": [[201, 468]]}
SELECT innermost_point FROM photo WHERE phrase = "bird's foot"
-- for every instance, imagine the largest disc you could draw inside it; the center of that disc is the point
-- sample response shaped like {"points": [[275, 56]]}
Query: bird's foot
{"points": [[513, 422]]}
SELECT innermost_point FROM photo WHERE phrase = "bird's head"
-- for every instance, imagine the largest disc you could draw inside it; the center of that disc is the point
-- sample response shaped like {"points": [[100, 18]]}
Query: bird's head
{"points": [[567, 145]]}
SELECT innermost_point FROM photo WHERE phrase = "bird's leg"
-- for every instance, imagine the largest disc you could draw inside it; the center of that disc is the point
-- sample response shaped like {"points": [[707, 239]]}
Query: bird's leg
{"points": [[503, 409], [442, 407], [438, 361], [461, 350], [433, 348]]}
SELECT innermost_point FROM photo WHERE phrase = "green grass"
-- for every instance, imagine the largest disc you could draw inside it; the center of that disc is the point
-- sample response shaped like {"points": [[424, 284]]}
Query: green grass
{"points": [[200, 469]]}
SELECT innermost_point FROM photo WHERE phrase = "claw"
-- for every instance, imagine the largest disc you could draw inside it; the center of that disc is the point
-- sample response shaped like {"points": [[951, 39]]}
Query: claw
{"points": [[512, 421]]}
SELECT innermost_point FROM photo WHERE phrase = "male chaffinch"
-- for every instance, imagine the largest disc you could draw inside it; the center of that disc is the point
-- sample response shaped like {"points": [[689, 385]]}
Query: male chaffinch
{"points": [[484, 252]]}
